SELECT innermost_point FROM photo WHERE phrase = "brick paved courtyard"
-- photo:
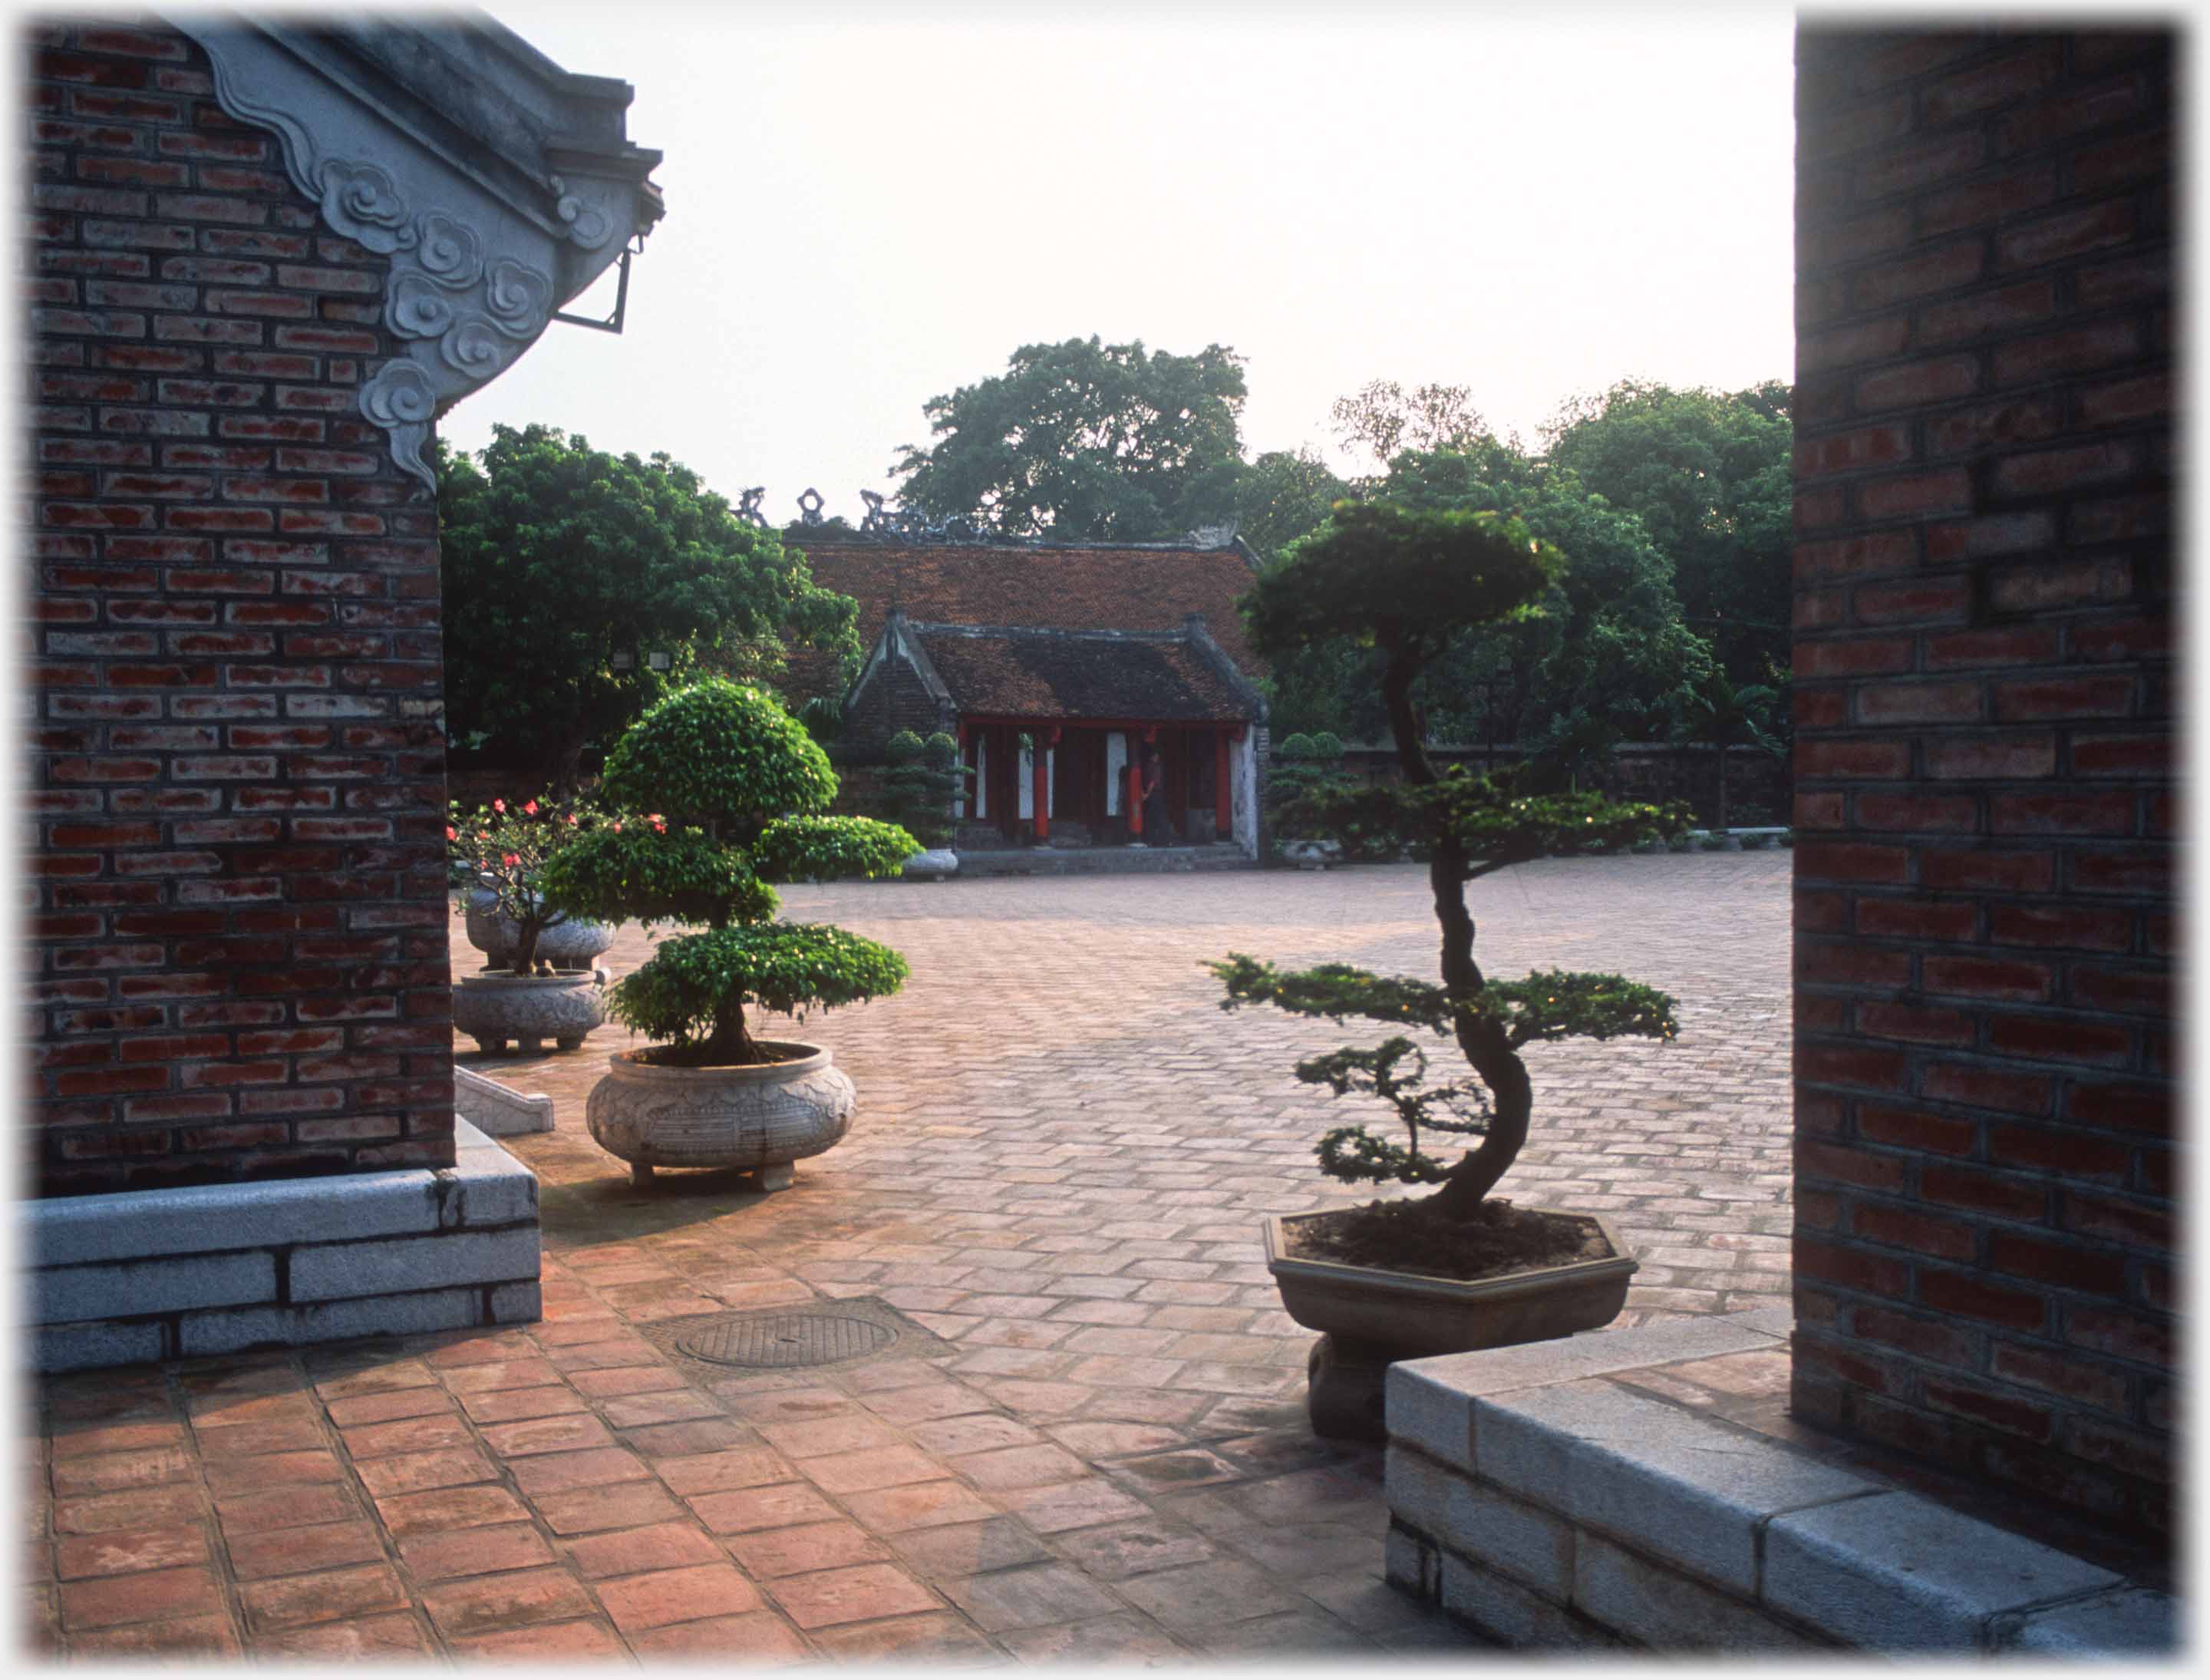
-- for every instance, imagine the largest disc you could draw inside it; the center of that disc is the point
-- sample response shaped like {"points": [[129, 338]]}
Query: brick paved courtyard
{"points": [[1062, 1149]]}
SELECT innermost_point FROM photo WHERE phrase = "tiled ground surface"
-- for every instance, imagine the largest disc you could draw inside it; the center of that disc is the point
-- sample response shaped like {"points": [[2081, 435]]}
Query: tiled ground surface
{"points": [[1062, 1151]]}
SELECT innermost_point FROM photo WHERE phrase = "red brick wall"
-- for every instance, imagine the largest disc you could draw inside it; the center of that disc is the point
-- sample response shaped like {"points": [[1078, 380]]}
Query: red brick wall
{"points": [[239, 965], [1984, 764]]}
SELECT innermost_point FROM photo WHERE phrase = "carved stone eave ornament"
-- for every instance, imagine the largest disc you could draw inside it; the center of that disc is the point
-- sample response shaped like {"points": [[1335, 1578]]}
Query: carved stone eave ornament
{"points": [[485, 241]]}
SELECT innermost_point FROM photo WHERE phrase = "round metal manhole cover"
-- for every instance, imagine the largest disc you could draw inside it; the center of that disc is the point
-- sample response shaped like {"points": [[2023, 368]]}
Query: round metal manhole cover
{"points": [[787, 1338]]}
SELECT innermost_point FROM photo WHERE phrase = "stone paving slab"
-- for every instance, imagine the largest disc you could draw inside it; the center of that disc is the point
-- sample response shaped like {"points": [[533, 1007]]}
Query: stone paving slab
{"points": [[1062, 1152]]}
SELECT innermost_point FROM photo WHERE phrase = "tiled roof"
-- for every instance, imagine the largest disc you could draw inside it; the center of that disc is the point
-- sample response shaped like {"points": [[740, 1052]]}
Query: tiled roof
{"points": [[1034, 586], [1042, 674]]}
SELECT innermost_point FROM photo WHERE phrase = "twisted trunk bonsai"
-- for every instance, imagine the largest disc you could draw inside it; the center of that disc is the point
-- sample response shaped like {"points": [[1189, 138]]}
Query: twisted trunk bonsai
{"points": [[1407, 584]]}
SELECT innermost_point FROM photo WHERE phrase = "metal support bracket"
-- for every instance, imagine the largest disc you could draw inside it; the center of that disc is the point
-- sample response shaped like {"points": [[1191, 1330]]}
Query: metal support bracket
{"points": [[613, 323]]}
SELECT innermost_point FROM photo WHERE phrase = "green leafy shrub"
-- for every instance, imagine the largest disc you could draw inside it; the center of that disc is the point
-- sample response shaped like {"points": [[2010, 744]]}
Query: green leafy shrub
{"points": [[733, 793], [717, 753], [1403, 584], [634, 871], [1314, 799], [919, 787], [682, 994], [831, 849], [1293, 749]]}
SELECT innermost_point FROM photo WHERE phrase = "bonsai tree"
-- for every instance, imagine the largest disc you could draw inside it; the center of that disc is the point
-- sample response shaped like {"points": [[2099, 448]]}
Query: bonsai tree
{"points": [[920, 784], [731, 789], [504, 849], [1406, 585], [1316, 800]]}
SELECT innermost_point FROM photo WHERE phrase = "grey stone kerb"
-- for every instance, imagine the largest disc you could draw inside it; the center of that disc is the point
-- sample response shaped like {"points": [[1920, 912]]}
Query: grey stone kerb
{"points": [[499, 186], [1553, 1507], [132, 1275]]}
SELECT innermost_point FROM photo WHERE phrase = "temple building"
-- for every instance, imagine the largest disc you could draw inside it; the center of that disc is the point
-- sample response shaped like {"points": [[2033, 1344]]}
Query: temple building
{"points": [[1065, 671]]}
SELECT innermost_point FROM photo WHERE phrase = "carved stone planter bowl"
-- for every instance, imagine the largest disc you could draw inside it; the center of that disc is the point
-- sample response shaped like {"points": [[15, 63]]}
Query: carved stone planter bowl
{"points": [[495, 1009], [1370, 1319], [757, 1119], [569, 944], [938, 863], [1311, 853]]}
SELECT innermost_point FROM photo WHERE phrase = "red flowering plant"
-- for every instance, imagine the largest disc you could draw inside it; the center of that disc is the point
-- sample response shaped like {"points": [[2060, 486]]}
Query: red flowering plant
{"points": [[503, 846]]}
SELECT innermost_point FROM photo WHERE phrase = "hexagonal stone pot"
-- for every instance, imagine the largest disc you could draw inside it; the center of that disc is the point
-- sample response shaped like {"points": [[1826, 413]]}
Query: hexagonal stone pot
{"points": [[497, 1009], [1370, 1318], [758, 1118]]}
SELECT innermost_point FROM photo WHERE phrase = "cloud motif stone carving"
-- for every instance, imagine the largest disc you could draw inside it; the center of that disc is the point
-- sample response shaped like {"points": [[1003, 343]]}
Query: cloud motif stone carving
{"points": [[360, 202], [401, 400], [448, 250], [519, 297], [417, 308], [401, 393], [475, 347], [587, 227]]}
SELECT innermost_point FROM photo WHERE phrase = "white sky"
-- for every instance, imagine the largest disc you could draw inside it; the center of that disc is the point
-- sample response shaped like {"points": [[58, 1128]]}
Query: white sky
{"points": [[864, 212]]}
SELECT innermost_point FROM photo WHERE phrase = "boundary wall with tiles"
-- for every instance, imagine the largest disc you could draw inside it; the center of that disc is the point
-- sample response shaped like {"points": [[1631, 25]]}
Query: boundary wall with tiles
{"points": [[1984, 776]]}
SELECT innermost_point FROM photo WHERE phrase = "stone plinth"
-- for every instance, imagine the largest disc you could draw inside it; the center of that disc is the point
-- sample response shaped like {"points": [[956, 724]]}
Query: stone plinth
{"points": [[1577, 1495], [163, 1274]]}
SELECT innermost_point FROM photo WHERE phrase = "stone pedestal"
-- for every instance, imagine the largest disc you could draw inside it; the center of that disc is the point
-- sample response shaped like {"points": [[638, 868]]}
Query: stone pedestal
{"points": [[1346, 1383]]}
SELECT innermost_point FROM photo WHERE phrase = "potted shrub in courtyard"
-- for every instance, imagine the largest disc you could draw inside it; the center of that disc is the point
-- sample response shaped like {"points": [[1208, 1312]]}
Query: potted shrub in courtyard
{"points": [[1300, 768], [918, 789], [539, 980], [1457, 1269], [732, 790]]}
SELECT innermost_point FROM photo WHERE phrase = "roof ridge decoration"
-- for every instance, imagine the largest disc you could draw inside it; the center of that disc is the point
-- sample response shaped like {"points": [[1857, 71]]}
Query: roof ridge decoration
{"points": [[480, 257], [984, 631]]}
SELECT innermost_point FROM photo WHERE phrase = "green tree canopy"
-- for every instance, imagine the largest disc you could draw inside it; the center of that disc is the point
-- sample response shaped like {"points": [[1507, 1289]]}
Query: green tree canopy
{"points": [[1382, 420], [1709, 474], [566, 567], [1086, 441], [1281, 496], [1606, 638]]}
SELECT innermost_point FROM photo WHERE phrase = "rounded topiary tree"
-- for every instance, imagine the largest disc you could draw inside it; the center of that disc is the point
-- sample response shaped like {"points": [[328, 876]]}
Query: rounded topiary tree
{"points": [[1406, 585], [720, 794]]}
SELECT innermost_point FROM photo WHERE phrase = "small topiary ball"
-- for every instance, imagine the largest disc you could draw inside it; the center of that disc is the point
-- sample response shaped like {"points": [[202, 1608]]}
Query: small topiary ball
{"points": [[719, 752], [1293, 747], [903, 748], [942, 752], [1326, 745]]}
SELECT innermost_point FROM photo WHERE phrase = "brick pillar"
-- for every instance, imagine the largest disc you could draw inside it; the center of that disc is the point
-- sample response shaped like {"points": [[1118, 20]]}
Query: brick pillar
{"points": [[238, 961], [1984, 762]]}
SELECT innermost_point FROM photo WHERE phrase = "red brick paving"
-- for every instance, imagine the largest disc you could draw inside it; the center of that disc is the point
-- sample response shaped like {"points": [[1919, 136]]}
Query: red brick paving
{"points": [[1111, 1463]]}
